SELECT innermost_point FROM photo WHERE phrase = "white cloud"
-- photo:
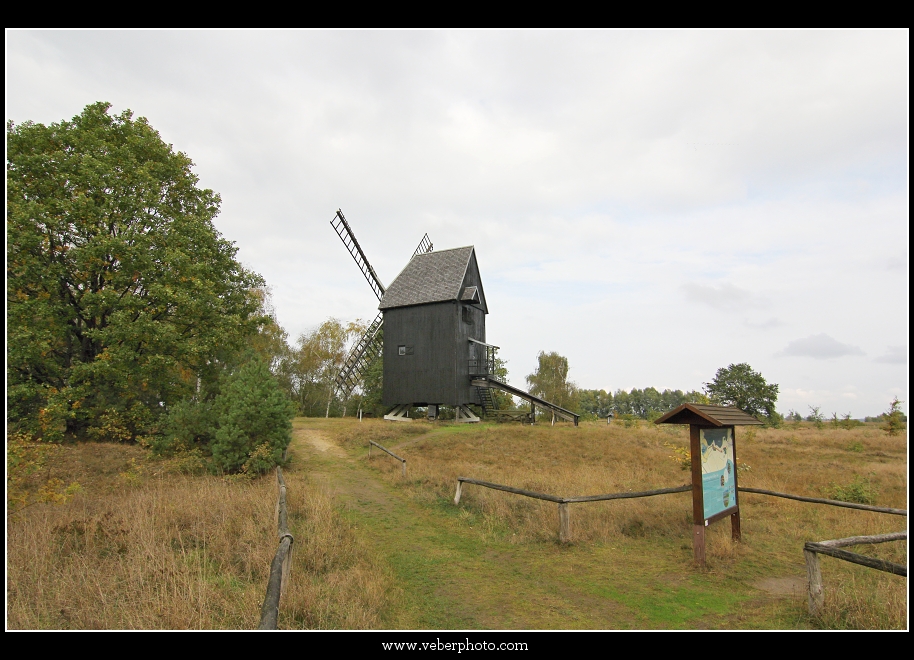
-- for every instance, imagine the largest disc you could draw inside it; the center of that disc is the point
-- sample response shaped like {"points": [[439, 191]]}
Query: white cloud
{"points": [[725, 297], [617, 185], [820, 347], [765, 325], [895, 355]]}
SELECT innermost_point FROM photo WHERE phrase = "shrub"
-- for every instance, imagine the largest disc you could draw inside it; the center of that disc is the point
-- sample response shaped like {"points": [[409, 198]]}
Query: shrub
{"points": [[859, 491], [246, 427], [681, 456], [189, 425], [815, 416], [254, 419], [894, 418]]}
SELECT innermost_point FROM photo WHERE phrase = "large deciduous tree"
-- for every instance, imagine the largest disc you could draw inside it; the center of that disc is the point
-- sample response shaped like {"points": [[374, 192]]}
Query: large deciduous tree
{"points": [[738, 385], [121, 295]]}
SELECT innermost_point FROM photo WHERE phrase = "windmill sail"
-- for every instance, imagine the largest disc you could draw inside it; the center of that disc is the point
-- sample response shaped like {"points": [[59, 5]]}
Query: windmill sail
{"points": [[363, 353], [344, 231], [425, 245]]}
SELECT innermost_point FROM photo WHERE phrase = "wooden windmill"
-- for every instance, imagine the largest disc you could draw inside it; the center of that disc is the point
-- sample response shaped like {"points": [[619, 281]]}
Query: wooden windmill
{"points": [[434, 340]]}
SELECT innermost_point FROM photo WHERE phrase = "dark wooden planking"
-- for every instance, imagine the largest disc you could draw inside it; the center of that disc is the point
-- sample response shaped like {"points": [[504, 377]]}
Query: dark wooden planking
{"points": [[437, 371], [429, 374]]}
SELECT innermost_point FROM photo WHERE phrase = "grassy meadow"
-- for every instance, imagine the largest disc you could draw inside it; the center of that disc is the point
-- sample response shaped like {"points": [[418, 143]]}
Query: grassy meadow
{"points": [[155, 544]]}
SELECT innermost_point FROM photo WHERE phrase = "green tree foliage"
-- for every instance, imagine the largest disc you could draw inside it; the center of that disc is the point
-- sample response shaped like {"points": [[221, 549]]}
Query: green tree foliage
{"points": [[550, 380], [122, 298], [738, 385], [241, 424], [254, 421], [373, 387], [503, 400], [815, 416], [649, 403], [595, 404], [894, 418], [316, 361]]}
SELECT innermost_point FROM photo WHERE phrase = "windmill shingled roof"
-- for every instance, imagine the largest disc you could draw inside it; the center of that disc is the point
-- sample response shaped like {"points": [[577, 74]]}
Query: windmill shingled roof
{"points": [[427, 278]]}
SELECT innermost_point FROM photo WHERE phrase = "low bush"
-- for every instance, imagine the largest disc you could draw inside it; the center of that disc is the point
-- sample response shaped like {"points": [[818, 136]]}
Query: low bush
{"points": [[860, 491]]}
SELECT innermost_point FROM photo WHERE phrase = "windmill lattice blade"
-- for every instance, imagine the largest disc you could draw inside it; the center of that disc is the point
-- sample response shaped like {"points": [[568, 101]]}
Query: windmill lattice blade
{"points": [[365, 350], [425, 245], [344, 231]]}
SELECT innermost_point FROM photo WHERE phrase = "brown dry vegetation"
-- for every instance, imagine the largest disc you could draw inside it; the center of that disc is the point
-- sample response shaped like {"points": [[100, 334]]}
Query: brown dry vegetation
{"points": [[144, 545], [141, 547], [596, 458]]}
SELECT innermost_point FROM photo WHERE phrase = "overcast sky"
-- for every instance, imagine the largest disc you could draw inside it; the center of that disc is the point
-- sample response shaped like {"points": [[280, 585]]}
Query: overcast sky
{"points": [[652, 205]]}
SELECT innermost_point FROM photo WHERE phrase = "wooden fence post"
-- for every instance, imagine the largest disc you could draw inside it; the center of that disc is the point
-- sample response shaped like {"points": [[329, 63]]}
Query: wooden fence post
{"points": [[814, 578], [564, 523], [459, 490], [282, 561], [698, 543]]}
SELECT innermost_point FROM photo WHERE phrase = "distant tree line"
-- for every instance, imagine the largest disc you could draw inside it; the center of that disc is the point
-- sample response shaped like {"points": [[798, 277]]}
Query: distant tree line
{"points": [[648, 403]]}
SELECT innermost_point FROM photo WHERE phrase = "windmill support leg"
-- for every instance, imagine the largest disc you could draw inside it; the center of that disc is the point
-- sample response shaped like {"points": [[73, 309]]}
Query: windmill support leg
{"points": [[398, 413], [464, 414]]}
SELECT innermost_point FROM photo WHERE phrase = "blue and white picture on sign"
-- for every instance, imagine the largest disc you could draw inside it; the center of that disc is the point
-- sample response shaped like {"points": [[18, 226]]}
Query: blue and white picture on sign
{"points": [[718, 468]]}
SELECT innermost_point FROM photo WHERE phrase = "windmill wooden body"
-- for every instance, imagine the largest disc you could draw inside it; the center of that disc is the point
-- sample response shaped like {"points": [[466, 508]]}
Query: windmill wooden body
{"points": [[434, 336]]}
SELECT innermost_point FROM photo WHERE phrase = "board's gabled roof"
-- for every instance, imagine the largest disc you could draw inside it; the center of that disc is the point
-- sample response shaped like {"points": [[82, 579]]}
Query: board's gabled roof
{"points": [[701, 413], [429, 278]]}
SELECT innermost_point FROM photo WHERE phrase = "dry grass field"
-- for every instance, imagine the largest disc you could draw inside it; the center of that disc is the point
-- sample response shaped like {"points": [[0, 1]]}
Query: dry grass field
{"points": [[147, 545], [596, 458], [143, 546]]}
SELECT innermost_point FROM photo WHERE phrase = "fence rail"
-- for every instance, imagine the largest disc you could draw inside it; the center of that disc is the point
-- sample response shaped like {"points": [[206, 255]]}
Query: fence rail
{"points": [[564, 522], [818, 500], [282, 561], [385, 449], [832, 548], [563, 502]]}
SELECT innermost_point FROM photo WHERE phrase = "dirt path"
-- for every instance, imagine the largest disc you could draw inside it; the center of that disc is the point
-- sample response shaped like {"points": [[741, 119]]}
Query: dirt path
{"points": [[456, 576], [318, 441]]}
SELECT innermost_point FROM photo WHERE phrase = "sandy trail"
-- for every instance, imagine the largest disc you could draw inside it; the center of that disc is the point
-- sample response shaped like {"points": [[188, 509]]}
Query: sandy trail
{"points": [[320, 442]]}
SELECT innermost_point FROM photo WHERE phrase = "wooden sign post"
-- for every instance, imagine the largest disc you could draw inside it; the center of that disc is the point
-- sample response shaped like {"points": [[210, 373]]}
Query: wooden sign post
{"points": [[712, 449]]}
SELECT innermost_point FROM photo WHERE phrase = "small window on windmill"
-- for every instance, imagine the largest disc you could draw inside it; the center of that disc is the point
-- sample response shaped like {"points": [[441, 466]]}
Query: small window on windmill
{"points": [[467, 315], [401, 350]]}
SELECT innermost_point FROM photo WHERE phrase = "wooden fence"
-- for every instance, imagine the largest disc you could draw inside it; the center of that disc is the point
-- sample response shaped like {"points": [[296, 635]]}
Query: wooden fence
{"points": [[385, 449], [818, 500], [563, 502], [811, 552], [282, 561]]}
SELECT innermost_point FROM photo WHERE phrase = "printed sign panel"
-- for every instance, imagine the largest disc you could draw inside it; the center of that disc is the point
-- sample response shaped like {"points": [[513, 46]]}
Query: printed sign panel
{"points": [[718, 466]]}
